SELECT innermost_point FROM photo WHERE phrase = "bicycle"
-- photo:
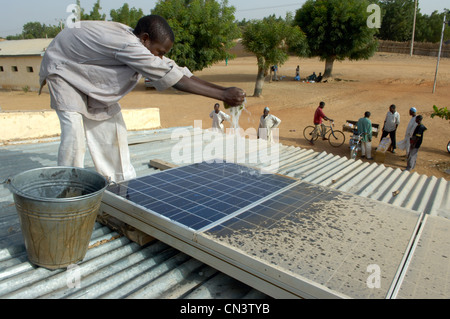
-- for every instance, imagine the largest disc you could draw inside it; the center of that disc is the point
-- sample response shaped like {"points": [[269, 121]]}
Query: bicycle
{"points": [[336, 138]]}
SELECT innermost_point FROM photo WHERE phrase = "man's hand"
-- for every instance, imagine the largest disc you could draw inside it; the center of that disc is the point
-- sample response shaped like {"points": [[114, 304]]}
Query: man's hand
{"points": [[233, 96]]}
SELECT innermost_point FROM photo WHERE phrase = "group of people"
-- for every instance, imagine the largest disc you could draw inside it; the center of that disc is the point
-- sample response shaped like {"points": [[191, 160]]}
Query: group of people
{"points": [[267, 122], [413, 138], [411, 143], [311, 78]]}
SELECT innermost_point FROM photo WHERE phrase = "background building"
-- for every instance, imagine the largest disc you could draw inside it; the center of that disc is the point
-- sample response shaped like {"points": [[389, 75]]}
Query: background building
{"points": [[20, 61]]}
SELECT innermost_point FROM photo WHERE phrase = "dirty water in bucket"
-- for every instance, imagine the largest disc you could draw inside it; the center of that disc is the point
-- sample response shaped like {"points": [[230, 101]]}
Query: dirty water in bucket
{"points": [[58, 183], [57, 208]]}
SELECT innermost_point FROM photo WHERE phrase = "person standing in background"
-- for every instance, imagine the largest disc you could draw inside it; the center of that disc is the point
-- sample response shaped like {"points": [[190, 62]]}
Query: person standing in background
{"points": [[416, 143], [218, 118], [406, 143], [365, 129], [390, 127], [267, 123]]}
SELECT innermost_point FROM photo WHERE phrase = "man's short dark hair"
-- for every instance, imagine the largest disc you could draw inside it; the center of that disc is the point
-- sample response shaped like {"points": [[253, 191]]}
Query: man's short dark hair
{"points": [[393, 106], [322, 104], [420, 117], [157, 28], [367, 114]]}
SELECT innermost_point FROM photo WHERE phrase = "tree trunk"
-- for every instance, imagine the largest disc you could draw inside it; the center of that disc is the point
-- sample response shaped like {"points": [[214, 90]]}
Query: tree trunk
{"points": [[329, 67], [260, 82]]}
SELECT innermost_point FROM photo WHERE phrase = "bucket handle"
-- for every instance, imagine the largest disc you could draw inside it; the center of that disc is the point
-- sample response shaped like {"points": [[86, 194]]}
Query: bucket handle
{"points": [[6, 181]]}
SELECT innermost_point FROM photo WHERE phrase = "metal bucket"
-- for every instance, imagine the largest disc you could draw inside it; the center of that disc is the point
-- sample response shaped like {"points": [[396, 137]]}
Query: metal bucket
{"points": [[57, 208]]}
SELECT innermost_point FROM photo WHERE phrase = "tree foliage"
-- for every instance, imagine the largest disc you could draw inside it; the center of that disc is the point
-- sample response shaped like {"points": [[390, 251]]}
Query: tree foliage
{"points": [[127, 16], [429, 27], [36, 30], [442, 113], [204, 30], [398, 18], [336, 30], [271, 40], [94, 14]]}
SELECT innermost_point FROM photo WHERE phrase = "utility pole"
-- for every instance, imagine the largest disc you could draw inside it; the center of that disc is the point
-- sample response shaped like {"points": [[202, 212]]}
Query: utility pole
{"points": [[440, 50], [414, 28]]}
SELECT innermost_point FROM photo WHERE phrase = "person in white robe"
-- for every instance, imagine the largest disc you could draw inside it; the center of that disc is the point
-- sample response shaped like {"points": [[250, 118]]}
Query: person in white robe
{"points": [[267, 124], [406, 144], [218, 118]]}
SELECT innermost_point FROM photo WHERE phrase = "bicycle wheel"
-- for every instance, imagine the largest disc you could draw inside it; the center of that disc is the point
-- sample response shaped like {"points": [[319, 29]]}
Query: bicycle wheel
{"points": [[308, 134], [336, 138]]}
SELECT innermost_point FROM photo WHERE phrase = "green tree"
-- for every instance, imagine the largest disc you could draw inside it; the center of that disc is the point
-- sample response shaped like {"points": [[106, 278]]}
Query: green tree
{"points": [[429, 27], [33, 30], [397, 20], [442, 113], [336, 30], [36, 30], [127, 16], [271, 40], [204, 30], [94, 14]]}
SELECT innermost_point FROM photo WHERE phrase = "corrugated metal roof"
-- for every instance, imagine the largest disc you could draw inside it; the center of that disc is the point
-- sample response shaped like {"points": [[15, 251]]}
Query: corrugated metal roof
{"points": [[32, 47], [121, 269]]}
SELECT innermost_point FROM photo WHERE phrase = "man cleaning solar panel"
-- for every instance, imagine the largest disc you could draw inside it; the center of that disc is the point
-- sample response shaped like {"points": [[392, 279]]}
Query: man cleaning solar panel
{"points": [[89, 68]]}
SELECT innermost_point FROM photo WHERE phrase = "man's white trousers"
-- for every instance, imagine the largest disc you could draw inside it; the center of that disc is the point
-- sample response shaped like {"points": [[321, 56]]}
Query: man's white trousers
{"points": [[107, 142]]}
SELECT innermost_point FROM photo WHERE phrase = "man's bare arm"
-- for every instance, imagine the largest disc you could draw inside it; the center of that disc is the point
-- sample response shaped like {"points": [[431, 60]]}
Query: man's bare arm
{"points": [[232, 95]]}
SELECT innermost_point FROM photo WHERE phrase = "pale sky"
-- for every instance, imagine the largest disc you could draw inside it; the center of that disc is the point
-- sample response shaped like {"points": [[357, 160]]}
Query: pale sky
{"points": [[15, 13]]}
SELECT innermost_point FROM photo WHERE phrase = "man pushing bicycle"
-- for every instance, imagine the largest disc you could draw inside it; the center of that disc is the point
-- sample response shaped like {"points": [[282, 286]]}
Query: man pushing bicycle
{"points": [[319, 117]]}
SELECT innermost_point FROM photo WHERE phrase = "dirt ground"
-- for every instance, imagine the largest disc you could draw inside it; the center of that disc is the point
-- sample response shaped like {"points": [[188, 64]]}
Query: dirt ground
{"points": [[356, 87]]}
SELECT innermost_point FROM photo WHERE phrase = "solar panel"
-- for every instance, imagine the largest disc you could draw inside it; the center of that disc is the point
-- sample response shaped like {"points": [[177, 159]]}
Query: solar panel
{"points": [[322, 235], [307, 240], [427, 275], [201, 194]]}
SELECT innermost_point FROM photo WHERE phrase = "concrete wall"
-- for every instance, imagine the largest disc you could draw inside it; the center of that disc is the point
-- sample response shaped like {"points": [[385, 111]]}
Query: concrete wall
{"points": [[18, 73], [15, 126]]}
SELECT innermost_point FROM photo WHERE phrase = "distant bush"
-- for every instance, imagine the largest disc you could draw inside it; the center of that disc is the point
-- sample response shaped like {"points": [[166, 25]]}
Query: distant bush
{"points": [[443, 113]]}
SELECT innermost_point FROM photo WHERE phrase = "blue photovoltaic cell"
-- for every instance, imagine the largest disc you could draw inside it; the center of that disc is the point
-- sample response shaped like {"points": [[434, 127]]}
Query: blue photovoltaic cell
{"points": [[200, 194]]}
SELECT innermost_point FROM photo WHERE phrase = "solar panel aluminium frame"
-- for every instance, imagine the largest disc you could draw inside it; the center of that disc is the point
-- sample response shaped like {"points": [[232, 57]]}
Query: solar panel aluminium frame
{"points": [[421, 246], [244, 268]]}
